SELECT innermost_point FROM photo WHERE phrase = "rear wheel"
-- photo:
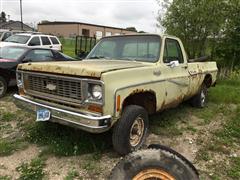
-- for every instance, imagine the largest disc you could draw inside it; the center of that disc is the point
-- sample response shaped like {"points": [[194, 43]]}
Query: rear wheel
{"points": [[130, 131], [200, 99], [3, 86], [159, 164]]}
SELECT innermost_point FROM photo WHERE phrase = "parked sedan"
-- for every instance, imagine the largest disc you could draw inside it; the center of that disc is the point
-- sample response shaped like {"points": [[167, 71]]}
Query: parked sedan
{"points": [[11, 56]]}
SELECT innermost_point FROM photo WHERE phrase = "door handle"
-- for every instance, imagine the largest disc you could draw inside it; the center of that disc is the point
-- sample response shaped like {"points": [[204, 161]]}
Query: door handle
{"points": [[157, 73], [50, 46]]}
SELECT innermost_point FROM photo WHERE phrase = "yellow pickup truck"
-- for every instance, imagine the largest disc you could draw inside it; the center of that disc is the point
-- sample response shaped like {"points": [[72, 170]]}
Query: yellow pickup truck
{"points": [[121, 82]]}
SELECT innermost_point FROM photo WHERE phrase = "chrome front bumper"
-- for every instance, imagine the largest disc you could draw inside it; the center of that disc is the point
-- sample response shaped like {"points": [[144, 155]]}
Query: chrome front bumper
{"points": [[89, 123]]}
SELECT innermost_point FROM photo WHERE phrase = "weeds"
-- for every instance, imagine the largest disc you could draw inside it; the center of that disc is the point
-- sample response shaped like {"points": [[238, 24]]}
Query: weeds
{"points": [[32, 170], [72, 174], [7, 147], [166, 123], [7, 116], [234, 170], [5, 177], [65, 141]]}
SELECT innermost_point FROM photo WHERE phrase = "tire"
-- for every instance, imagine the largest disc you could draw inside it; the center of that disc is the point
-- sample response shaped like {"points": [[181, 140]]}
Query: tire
{"points": [[130, 132], [3, 86], [200, 99], [154, 163]]}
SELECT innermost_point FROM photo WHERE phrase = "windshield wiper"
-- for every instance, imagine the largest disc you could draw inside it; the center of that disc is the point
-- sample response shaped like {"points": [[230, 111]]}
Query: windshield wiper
{"points": [[13, 41]]}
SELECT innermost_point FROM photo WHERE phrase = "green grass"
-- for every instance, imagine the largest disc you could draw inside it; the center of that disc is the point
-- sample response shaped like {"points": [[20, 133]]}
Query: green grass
{"points": [[33, 170], [68, 46], [5, 177], [234, 170], [7, 116], [231, 132], [7, 147], [65, 141], [225, 140], [166, 123], [72, 174], [226, 91]]}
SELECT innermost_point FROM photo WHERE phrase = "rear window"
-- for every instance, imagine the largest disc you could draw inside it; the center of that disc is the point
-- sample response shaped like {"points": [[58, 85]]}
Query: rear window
{"points": [[45, 40], [54, 40]]}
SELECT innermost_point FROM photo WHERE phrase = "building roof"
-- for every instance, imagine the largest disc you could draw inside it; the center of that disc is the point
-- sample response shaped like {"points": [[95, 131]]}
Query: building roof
{"points": [[13, 25], [69, 22]]}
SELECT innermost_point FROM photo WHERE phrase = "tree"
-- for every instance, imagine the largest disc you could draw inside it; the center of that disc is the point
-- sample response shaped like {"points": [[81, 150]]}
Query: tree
{"points": [[194, 21], [228, 50], [3, 17], [131, 29]]}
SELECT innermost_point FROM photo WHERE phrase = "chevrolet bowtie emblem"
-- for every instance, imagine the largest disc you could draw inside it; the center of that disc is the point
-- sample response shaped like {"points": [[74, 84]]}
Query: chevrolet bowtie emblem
{"points": [[51, 87]]}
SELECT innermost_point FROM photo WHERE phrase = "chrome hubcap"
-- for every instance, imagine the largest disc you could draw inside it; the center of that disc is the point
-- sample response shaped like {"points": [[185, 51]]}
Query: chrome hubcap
{"points": [[203, 98], [136, 132]]}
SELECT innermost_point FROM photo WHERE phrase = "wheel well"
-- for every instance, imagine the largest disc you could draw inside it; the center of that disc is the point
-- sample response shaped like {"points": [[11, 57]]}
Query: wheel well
{"points": [[145, 99], [208, 80]]}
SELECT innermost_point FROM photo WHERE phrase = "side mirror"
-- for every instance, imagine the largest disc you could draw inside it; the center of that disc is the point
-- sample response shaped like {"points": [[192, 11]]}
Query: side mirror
{"points": [[173, 64], [26, 60]]}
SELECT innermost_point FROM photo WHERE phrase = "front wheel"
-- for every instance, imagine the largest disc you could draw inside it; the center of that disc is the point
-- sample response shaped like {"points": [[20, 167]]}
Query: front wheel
{"points": [[3, 86], [130, 131]]}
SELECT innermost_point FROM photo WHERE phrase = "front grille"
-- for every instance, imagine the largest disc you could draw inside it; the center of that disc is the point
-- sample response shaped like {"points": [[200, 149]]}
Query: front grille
{"points": [[54, 88]]}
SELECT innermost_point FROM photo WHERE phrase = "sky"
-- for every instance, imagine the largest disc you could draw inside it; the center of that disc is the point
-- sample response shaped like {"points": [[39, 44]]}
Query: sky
{"points": [[118, 13]]}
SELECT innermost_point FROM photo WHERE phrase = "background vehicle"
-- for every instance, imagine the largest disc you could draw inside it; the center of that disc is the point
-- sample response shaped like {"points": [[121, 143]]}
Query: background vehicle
{"points": [[4, 33], [33, 39], [121, 82], [11, 56], [158, 162]]}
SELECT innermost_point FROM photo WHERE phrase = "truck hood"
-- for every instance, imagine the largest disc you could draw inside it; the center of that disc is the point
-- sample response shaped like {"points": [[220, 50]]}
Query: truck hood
{"points": [[91, 68]]}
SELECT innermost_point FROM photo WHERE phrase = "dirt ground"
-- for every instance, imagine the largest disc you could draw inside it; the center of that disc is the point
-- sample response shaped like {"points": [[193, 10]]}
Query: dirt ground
{"points": [[189, 143]]}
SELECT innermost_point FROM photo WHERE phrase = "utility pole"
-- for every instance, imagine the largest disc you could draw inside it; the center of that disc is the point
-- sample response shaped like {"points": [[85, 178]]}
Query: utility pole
{"points": [[21, 14]]}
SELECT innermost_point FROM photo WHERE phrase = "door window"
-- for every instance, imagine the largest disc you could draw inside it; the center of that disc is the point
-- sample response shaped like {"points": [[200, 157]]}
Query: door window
{"points": [[172, 51], [35, 41], [6, 35], [39, 55], [45, 40]]}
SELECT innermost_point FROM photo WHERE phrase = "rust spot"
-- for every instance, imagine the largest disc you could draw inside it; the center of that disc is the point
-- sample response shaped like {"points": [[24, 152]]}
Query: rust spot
{"points": [[174, 103], [58, 68]]}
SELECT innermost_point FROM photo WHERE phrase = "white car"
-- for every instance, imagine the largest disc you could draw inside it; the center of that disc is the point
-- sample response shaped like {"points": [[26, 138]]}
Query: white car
{"points": [[33, 39], [5, 33]]}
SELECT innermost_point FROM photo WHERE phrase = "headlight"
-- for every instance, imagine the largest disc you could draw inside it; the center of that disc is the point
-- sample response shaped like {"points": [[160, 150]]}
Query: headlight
{"points": [[95, 92], [19, 80]]}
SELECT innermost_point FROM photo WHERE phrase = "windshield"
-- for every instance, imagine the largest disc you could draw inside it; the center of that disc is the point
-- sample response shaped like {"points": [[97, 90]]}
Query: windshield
{"points": [[133, 48], [66, 56], [21, 39], [12, 53]]}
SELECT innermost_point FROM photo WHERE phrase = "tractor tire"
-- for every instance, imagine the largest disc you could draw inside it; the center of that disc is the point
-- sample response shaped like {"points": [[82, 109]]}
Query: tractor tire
{"points": [[158, 163]]}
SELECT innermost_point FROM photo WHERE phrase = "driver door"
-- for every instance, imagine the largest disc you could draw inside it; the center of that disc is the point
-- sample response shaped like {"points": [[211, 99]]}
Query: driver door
{"points": [[176, 72]]}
